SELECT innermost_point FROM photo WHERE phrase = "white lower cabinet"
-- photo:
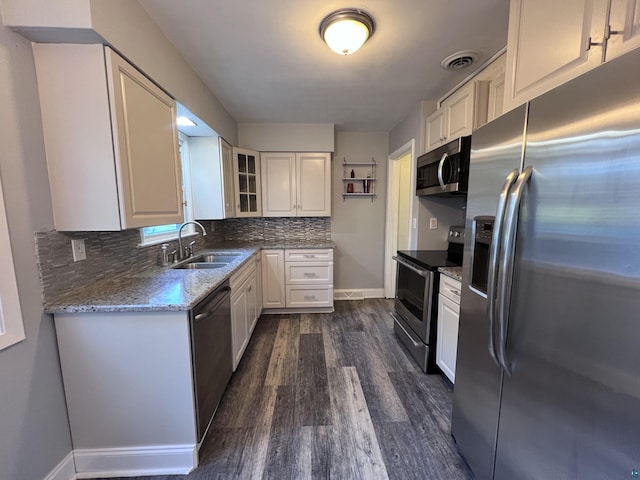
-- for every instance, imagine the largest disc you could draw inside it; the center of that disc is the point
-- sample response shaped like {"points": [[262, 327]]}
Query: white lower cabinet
{"points": [[244, 308], [448, 321], [298, 279], [273, 279]]}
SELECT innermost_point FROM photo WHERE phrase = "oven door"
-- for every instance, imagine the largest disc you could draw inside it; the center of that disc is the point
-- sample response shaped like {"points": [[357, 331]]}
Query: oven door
{"points": [[413, 302]]}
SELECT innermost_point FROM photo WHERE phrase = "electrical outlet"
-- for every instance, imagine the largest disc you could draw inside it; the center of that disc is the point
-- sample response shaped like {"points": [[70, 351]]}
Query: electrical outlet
{"points": [[433, 224], [414, 223], [79, 253]]}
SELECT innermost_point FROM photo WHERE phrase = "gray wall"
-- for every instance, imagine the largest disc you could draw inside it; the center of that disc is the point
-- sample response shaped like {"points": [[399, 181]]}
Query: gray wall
{"points": [[357, 224], [287, 137], [34, 432], [448, 211]]}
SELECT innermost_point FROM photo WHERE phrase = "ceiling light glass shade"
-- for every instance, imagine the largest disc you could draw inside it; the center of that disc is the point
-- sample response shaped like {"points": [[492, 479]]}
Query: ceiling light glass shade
{"points": [[345, 31]]}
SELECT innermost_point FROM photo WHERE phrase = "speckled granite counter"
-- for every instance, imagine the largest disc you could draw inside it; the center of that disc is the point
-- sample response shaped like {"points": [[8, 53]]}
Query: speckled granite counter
{"points": [[453, 272], [162, 288]]}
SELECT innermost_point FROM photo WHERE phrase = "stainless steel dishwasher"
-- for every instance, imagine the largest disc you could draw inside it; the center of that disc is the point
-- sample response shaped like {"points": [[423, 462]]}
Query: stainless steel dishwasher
{"points": [[211, 351]]}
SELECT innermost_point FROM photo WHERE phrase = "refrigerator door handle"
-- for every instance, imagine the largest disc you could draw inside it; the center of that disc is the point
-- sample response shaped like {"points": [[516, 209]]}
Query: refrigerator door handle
{"points": [[506, 264], [440, 170], [494, 252]]}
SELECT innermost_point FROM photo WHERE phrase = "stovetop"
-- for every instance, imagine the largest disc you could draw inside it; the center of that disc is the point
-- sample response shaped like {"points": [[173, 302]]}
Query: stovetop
{"points": [[430, 259]]}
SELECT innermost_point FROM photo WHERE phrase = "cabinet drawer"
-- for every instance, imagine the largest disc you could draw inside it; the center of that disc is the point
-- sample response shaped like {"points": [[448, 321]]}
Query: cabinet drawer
{"points": [[450, 288], [308, 273], [312, 296], [312, 254]]}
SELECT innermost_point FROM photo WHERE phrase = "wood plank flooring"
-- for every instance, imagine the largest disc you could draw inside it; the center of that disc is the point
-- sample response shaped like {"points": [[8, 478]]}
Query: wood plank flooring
{"points": [[331, 396]]}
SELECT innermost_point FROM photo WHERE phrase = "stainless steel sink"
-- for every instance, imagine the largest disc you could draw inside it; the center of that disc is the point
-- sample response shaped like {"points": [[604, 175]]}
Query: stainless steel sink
{"points": [[208, 261], [214, 258], [200, 265]]}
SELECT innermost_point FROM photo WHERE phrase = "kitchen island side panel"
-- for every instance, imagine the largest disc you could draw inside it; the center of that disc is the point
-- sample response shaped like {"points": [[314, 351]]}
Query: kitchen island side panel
{"points": [[127, 379]]}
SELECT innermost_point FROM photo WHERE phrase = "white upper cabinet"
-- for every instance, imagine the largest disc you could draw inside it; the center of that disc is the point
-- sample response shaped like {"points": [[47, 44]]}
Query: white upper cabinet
{"points": [[296, 184], [624, 27], [551, 42], [226, 156], [111, 141], [458, 115], [211, 178], [246, 183], [495, 77], [279, 184], [435, 130]]}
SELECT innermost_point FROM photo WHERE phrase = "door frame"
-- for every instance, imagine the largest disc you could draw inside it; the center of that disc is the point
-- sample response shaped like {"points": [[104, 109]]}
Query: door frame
{"points": [[391, 216]]}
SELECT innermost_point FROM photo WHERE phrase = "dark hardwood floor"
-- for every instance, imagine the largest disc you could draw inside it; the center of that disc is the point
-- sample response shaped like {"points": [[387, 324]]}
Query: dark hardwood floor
{"points": [[331, 396]]}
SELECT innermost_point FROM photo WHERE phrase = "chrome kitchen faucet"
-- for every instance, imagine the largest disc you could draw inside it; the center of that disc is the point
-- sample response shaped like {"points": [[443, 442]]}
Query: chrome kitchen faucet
{"points": [[182, 252]]}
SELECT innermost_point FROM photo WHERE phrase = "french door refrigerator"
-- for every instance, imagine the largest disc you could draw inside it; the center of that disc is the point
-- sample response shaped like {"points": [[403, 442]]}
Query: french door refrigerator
{"points": [[548, 367]]}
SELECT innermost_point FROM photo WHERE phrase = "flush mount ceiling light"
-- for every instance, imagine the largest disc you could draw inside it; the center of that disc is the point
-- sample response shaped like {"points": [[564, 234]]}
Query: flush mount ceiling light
{"points": [[346, 30]]}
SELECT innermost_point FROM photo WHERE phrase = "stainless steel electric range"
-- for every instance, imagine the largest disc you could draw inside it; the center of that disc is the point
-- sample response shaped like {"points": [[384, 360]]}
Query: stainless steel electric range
{"points": [[416, 299]]}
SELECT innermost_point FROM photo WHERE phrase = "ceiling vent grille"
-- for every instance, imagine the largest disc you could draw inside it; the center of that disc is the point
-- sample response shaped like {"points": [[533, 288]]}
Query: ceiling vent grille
{"points": [[460, 60]]}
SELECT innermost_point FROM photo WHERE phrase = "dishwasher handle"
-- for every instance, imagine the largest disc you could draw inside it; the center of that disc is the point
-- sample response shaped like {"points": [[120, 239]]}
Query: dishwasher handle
{"points": [[218, 299]]}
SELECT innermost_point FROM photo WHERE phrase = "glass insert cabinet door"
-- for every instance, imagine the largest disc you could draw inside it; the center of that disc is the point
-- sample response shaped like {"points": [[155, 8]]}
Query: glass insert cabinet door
{"points": [[246, 172]]}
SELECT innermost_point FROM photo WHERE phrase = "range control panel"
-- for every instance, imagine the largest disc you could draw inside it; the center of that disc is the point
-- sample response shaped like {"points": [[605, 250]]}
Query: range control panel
{"points": [[456, 234]]}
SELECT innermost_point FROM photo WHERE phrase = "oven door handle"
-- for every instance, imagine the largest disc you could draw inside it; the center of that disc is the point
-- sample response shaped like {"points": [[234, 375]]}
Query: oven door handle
{"points": [[404, 263]]}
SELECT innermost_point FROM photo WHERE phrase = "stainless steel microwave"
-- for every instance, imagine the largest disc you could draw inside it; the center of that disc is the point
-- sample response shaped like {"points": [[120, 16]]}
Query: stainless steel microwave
{"points": [[444, 170]]}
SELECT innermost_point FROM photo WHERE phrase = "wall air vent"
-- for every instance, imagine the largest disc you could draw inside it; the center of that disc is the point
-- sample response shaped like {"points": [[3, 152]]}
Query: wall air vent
{"points": [[460, 60]]}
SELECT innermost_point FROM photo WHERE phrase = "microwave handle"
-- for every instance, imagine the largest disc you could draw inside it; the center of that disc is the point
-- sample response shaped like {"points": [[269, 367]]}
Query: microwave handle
{"points": [[440, 168]]}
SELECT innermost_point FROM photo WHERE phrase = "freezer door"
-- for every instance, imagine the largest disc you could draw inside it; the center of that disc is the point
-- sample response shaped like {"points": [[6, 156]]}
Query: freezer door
{"points": [[496, 151], [571, 407]]}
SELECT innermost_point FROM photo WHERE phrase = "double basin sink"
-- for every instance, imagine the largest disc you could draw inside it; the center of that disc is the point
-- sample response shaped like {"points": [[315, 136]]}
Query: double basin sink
{"points": [[207, 261]]}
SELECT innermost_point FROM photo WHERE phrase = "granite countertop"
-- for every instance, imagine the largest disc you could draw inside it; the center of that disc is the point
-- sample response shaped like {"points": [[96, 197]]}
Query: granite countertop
{"points": [[453, 272], [162, 288]]}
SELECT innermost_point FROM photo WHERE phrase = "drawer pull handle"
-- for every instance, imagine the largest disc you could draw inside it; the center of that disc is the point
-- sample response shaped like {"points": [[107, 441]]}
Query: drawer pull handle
{"points": [[309, 256], [309, 297], [455, 292], [309, 275]]}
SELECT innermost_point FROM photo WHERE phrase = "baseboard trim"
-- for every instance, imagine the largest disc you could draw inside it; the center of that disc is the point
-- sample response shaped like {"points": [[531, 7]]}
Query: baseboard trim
{"points": [[65, 470], [135, 461], [358, 294], [279, 311]]}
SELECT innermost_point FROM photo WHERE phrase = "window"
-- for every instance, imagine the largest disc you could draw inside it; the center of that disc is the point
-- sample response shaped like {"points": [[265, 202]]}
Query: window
{"points": [[162, 233], [11, 326]]}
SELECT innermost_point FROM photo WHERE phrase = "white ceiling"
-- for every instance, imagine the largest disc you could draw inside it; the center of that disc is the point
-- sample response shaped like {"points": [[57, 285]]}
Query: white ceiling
{"points": [[266, 62]]}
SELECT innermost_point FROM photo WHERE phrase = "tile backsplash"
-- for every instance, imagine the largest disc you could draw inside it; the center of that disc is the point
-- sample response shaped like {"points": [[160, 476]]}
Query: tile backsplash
{"points": [[269, 229], [114, 254]]}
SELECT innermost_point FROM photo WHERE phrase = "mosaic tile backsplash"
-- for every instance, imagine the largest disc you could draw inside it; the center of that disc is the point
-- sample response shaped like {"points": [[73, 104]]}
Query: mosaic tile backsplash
{"points": [[114, 254], [277, 229]]}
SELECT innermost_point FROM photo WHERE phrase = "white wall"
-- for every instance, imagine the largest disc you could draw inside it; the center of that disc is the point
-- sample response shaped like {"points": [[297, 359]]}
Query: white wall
{"points": [[287, 137], [34, 432], [358, 224], [127, 27]]}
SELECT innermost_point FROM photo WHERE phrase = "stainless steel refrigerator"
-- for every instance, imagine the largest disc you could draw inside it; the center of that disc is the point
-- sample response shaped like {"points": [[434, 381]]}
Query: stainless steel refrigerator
{"points": [[548, 367]]}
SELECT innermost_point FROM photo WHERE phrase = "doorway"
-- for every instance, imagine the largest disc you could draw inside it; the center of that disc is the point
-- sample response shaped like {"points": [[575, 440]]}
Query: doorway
{"points": [[400, 234]]}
